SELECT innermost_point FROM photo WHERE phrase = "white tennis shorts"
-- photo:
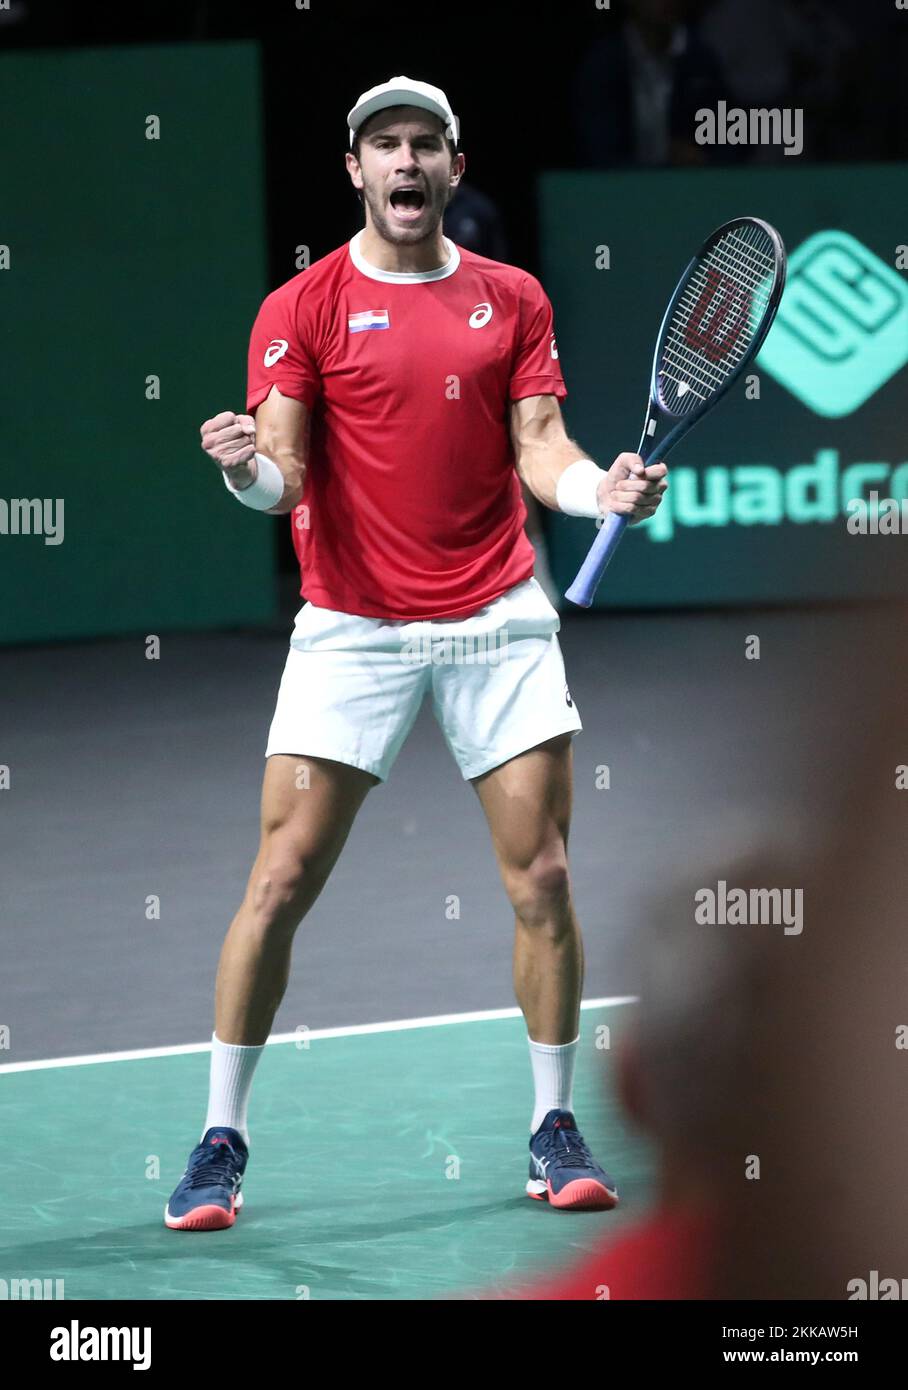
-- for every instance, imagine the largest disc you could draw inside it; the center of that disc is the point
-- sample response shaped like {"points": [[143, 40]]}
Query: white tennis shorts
{"points": [[352, 686]]}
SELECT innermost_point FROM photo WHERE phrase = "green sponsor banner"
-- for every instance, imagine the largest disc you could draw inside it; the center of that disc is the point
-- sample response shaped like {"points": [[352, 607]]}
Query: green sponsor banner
{"points": [[764, 490], [132, 269]]}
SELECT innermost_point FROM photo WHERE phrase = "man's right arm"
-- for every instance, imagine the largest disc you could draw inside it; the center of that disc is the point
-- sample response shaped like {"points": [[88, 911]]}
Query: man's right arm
{"points": [[280, 432]]}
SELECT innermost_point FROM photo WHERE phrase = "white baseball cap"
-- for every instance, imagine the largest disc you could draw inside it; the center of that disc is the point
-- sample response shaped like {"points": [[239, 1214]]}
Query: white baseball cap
{"points": [[403, 91]]}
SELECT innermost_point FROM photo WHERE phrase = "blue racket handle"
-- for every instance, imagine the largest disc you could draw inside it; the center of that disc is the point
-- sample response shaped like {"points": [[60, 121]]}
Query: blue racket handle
{"points": [[594, 566]]}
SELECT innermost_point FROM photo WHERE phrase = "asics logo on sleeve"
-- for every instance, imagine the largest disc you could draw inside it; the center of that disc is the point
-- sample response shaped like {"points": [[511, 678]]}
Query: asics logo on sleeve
{"points": [[275, 349], [480, 316], [552, 348]]}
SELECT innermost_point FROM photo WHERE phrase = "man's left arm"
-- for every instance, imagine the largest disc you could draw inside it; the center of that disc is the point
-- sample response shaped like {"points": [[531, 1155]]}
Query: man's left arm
{"points": [[562, 476]]}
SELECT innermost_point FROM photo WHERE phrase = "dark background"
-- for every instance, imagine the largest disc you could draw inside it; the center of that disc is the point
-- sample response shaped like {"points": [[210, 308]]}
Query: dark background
{"points": [[510, 70]]}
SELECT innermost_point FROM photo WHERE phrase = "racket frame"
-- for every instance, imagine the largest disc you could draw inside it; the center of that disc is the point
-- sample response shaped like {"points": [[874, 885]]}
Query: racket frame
{"points": [[588, 577]]}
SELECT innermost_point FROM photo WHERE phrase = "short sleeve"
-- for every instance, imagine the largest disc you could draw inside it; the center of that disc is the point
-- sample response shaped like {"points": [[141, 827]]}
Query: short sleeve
{"points": [[280, 352], [535, 370]]}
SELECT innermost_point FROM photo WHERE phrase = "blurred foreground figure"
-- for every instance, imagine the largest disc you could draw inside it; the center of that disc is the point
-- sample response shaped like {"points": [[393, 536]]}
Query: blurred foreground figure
{"points": [[767, 1060], [829, 1216]]}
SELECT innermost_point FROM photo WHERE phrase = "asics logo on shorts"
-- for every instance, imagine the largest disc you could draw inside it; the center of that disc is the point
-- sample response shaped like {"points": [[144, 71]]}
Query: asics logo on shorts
{"points": [[275, 350]]}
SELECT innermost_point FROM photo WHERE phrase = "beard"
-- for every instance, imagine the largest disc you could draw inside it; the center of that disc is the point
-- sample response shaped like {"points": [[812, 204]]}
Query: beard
{"points": [[398, 233]]}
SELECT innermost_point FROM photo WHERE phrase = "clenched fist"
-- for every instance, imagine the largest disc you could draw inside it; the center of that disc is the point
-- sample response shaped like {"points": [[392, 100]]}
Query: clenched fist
{"points": [[230, 440]]}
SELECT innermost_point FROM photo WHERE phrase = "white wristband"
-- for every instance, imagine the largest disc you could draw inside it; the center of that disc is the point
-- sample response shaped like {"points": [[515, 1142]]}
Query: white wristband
{"points": [[577, 487], [266, 491]]}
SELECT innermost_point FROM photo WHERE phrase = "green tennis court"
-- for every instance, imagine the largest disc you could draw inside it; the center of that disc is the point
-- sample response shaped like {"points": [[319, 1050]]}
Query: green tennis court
{"points": [[384, 1165]]}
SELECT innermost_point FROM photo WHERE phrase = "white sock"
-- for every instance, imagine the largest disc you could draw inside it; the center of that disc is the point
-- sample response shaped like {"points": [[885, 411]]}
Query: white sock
{"points": [[232, 1070], [553, 1077]]}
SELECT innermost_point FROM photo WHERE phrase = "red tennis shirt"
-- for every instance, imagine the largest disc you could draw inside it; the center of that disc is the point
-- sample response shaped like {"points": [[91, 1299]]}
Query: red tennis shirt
{"points": [[412, 507]]}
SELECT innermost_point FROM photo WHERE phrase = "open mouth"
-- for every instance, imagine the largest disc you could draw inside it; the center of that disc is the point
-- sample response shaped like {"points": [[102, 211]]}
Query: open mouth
{"points": [[408, 203]]}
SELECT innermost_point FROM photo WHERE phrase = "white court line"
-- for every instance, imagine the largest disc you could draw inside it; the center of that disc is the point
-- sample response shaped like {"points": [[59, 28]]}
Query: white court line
{"points": [[354, 1030]]}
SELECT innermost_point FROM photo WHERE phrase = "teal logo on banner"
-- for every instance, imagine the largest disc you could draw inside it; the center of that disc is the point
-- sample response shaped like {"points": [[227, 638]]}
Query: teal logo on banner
{"points": [[842, 327]]}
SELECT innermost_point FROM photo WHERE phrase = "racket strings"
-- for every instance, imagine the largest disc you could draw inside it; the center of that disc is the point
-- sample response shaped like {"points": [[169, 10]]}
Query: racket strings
{"points": [[715, 322], [717, 315], [736, 277]]}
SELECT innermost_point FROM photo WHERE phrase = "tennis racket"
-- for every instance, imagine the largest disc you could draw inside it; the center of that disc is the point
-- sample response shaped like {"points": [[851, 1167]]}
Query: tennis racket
{"points": [[714, 326]]}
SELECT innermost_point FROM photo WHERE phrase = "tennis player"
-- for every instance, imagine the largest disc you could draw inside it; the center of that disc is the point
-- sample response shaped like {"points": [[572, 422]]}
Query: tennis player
{"points": [[397, 388]]}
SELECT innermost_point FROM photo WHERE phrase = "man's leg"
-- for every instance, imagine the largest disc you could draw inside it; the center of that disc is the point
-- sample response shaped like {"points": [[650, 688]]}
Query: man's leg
{"points": [[527, 802], [303, 830]]}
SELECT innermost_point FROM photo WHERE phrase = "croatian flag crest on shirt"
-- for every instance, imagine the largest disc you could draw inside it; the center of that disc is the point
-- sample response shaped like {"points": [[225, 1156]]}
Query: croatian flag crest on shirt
{"points": [[369, 318]]}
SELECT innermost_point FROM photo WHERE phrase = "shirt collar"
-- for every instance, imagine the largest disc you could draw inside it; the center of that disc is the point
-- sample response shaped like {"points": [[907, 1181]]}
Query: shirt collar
{"points": [[404, 277]]}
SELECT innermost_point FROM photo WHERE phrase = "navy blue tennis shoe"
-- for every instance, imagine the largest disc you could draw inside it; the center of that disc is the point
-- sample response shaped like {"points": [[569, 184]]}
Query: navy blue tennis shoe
{"points": [[563, 1172], [208, 1196]]}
